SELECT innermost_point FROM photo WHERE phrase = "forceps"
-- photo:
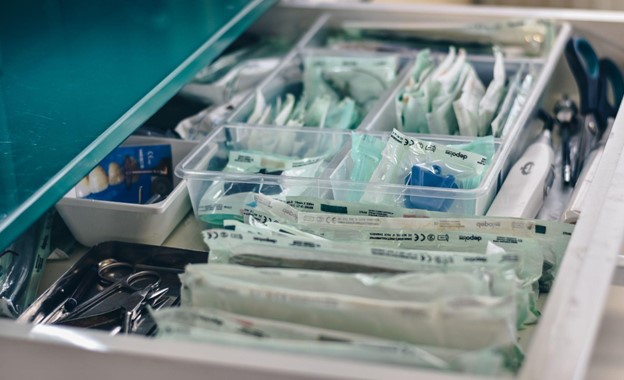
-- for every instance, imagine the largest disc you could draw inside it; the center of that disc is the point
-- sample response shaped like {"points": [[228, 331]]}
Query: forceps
{"points": [[593, 77], [118, 277]]}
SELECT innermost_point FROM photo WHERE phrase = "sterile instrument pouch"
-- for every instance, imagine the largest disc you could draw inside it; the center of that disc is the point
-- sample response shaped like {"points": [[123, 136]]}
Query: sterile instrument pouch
{"points": [[271, 249], [237, 330], [225, 199], [361, 78], [403, 152], [438, 322]]}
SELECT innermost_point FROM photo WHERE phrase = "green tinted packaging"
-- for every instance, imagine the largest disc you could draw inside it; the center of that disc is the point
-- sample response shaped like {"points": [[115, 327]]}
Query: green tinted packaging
{"points": [[237, 289], [216, 326]]}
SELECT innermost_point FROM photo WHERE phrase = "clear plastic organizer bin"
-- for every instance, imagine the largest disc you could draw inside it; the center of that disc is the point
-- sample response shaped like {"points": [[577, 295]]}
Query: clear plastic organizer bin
{"points": [[515, 136], [456, 201], [308, 162], [522, 57], [536, 47], [327, 72], [94, 221]]}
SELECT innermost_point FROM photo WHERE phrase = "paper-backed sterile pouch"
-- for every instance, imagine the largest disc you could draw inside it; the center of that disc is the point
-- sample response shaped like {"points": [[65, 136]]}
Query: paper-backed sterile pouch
{"points": [[220, 327], [412, 104], [543, 242], [282, 251], [403, 152], [311, 204], [539, 254], [494, 94], [222, 243], [226, 199], [361, 78], [462, 322], [513, 234]]}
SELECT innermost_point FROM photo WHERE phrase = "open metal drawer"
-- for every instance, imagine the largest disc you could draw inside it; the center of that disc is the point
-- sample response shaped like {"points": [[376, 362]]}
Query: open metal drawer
{"points": [[560, 346]]}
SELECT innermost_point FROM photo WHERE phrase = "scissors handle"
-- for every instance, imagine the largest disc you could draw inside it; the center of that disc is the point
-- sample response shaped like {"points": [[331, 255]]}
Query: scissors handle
{"points": [[583, 62], [135, 282], [610, 77]]}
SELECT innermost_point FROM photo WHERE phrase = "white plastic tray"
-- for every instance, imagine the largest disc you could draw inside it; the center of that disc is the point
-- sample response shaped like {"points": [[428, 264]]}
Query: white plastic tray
{"points": [[94, 221]]}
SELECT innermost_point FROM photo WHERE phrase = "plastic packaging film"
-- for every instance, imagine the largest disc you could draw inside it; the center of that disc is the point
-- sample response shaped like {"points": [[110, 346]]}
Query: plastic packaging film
{"points": [[402, 153], [337, 92], [217, 326], [438, 323], [318, 263], [543, 241], [450, 98], [270, 250], [295, 154]]}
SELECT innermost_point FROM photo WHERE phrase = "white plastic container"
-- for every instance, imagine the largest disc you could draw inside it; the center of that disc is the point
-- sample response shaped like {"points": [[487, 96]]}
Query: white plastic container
{"points": [[93, 221]]}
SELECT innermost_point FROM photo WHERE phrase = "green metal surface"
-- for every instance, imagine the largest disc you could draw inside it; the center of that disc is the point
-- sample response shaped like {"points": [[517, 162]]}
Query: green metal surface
{"points": [[77, 77]]}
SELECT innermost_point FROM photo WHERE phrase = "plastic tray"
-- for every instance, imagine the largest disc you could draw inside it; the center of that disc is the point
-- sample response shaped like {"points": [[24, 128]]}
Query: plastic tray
{"points": [[94, 221], [383, 116], [202, 171]]}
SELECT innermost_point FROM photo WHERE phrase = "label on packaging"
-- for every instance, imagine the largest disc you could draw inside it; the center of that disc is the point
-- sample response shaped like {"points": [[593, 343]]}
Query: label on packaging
{"points": [[130, 174]]}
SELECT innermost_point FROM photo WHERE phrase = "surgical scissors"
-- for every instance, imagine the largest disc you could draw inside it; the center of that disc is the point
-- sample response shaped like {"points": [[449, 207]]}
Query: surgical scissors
{"points": [[593, 77], [119, 277]]}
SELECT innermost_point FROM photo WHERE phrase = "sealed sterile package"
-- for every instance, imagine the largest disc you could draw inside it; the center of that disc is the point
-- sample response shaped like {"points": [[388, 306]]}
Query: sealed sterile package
{"points": [[301, 252], [226, 199], [517, 105], [279, 228], [434, 231], [553, 236], [500, 121], [366, 153], [202, 124], [441, 322], [238, 80], [493, 96], [410, 286], [411, 103], [443, 86], [217, 326], [434, 239], [251, 162], [310, 204], [320, 112], [481, 145], [466, 107], [281, 246], [332, 92], [530, 268], [361, 78], [217, 206], [236, 71], [521, 37], [403, 155]]}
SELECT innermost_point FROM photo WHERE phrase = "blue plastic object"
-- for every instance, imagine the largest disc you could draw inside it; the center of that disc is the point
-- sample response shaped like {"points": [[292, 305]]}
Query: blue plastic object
{"points": [[425, 177]]}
